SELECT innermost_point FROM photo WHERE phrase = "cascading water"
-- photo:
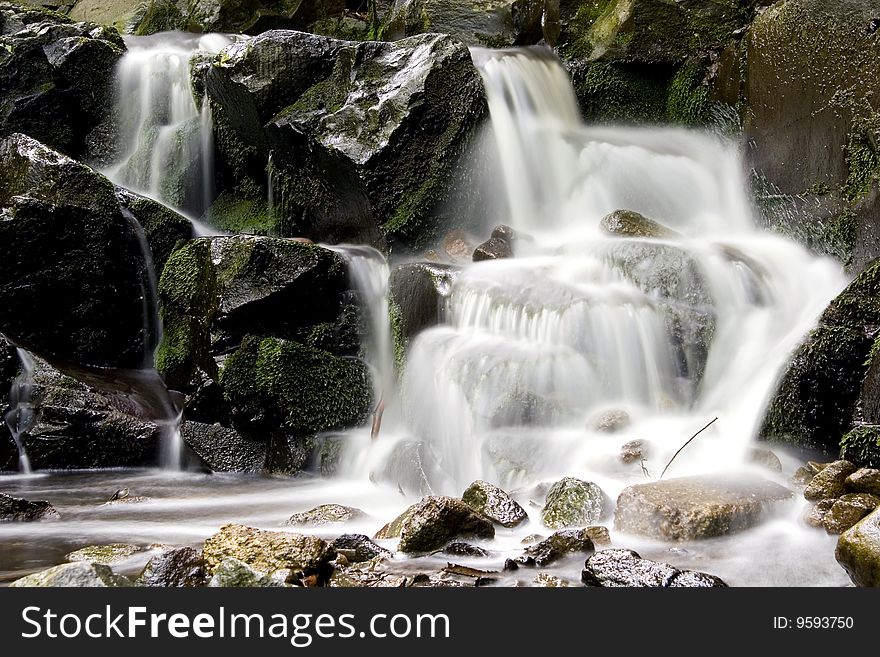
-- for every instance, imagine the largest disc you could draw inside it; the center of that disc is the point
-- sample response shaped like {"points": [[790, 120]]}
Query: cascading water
{"points": [[20, 416], [165, 132]]}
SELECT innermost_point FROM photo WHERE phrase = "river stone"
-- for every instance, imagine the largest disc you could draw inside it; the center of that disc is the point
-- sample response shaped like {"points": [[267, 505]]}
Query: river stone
{"points": [[326, 514], [816, 515], [419, 290], [178, 567], [358, 548], [265, 550], [612, 421], [78, 574], [802, 476], [571, 502], [696, 507], [627, 223], [494, 503], [864, 480], [858, 551], [558, 546], [549, 581], [494, 248], [634, 450], [232, 573], [830, 481], [462, 549], [106, 555], [433, 522], [18, 509], [223, 449], [625, 568], [847, 510], [765, 458]]}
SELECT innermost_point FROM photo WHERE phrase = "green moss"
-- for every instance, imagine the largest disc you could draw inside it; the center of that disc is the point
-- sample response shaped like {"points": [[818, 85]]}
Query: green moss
{"points": [[347, 29], [161, 15], [612, 92], [863, 161], [395, 316], [862, 446], [241, 215], [305, 389], [688, 98]]}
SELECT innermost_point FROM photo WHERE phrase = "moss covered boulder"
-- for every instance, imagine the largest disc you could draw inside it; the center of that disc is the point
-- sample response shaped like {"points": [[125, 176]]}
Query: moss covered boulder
{"points": [[627, 223], [816, 400], [79, 574], [56, 76], [256, 16], [494, 503], [696, 507], [571, 502], [830, 481], [847, 510], [163, 228], [266, 551], [107, 555], [435, 521], [364, 137], [858, 551], [864, 480]]}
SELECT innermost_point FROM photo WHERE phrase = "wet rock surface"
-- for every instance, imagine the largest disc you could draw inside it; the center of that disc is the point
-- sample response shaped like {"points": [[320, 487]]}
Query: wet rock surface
{"points": [[830, 481], [326, 514], [571, 502], [435, 521], [107, 555], [358, 548], [494, 503], [266, 551], [847, 510], [858, 551], [558, 546], [16, 509], [178, 567], [79, 574], [625, 568]]}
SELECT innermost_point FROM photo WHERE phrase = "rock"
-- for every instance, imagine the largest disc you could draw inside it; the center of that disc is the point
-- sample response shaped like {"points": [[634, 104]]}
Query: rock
{"points": [[830, 482], [532, 538], [411, 467], [359, 131], [765, 458], [107, 555], [329, 452], [494, 503], [492, 25], [493, 249], [847, 510], [549, 581], [232, 573], [120, 14], [634, 450], [864, 480], [56, 76], [18, 509], [358, 548], [258, 16], [571, 502], [461, 549], [627, 223], [599, 535], [862, 445], [179, 567], [625, 568], [223, 449], [163, 228], [326, 514], [520, 408], [558, 546], [816, 515], [858, 551], [369, 574], [612, 421], [419, 291], [696, 507], [435, 521], [815, 402], [802, 476], [69, 308], [266, 551], [78, 574]]}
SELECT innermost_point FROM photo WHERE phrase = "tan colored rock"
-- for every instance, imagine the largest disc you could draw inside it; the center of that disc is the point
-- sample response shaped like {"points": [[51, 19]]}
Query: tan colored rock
{"points": [[266, 551]]}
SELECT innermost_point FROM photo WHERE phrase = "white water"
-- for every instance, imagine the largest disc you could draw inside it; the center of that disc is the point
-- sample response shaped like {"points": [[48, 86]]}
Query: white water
{"points": [[165, 132], [20, 416]]}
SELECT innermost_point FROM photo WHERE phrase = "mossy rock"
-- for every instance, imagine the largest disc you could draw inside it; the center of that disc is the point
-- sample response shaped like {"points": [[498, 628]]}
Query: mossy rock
{"points": [[830, 481], [628, 223], [163, 228], [858, 551], [862, 446], [571, 502], [178, 567], [494, 503], [326, 514], [107, 555], [79, 574], [435, 521], [266, 551]]}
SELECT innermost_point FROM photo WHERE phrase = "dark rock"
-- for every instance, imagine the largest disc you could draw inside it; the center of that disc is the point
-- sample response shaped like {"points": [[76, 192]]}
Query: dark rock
{"points": [[864, 480], [493, 249], [625, 568], [847, 510], [627, 223], [861, 445], [830, 482], [223, 449], [419, 290], [460, 549], [163, 228], [56, 76], [17, 509], [358, 548], [494, 503], [697, 507], [84, 304], [634, 450], [174, 568], [107, 555], [257, 16], [326, 514], [78, 574], [571, 502], [266, 551], [858, 551], [435, 521], [558, 546]]}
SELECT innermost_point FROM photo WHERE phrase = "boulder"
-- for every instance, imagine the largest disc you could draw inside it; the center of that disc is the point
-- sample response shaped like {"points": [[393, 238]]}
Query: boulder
{"points": [[257, 16], [494, 503], [107, 555], [634, 450], [326, 514], [815, 401], [862, 445], [177, 567], [858, 551], [816, 515], [77, 574], [847, 510], [462, 549], [612, 421], [163, 228], [223, 449], [359, 132], [494, 248], [18, 509], [358, 548], [120, 14], [572, 502], [628, 223], [830, 481], [696, 507], [56, 76], [433, 522], [232, 573], [625, 568], [864, 480], [265, 550], [558, 546], [419, 291]]}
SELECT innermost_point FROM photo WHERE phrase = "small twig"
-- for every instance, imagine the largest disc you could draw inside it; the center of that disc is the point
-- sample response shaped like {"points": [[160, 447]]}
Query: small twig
{"points": [[685, 445], [645, 470]]}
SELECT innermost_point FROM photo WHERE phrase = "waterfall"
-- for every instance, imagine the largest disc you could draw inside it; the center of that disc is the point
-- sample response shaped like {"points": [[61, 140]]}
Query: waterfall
{"points": [[671, 331], [20, 416], [165, 148]]}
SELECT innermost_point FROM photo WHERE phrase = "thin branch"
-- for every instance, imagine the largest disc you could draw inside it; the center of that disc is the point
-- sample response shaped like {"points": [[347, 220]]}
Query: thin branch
{"points": [[685, 445]]}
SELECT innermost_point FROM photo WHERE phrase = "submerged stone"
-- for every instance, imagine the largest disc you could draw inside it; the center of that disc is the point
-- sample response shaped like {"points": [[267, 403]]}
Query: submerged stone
{"points": [[571, 502], [435, 521], [625, 568], [78, 574], [494, 503], [696, 507], [858, 551], [107, 555]]}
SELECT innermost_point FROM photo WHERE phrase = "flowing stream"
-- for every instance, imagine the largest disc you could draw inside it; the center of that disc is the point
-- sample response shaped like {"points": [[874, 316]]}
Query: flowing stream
{"points": [[536, 352]]}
